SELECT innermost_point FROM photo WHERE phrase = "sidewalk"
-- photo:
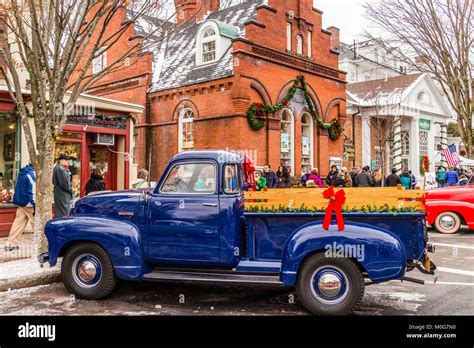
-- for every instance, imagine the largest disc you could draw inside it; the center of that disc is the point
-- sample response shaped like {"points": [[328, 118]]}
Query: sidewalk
{"points": [[19, 270]]}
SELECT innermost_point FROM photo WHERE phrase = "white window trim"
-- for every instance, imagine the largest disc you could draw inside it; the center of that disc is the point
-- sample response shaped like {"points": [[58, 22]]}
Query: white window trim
{"points": [[200, 41], [311, 139], [99, 63], [310, 44], [292, 135], [299, 44], [289, 29], [181, 122]]}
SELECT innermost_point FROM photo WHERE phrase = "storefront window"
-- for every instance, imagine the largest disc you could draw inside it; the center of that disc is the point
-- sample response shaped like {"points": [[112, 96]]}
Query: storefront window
{"points": [[9, 158], [306, 142], [73, 150], [286, 144]]}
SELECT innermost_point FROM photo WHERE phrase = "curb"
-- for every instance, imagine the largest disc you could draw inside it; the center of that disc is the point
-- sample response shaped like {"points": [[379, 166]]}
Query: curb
{"points": [[27, 273]]}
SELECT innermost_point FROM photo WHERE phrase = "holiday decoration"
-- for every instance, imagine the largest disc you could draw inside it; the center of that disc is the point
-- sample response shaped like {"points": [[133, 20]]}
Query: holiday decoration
{"points": [[257, 114], [424, 165], [336, 201]]}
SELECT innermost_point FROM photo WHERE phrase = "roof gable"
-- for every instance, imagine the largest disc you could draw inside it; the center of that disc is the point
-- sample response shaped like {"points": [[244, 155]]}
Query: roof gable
{"points": [[178, 58]]}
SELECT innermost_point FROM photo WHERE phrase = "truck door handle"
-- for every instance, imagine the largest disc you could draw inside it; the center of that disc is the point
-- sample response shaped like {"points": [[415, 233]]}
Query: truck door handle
{"points": [[210, 205]]}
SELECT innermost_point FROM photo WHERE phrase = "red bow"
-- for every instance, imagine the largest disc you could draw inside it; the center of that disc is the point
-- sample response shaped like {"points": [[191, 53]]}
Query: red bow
{"points": [[336, 202], [249, 170]]}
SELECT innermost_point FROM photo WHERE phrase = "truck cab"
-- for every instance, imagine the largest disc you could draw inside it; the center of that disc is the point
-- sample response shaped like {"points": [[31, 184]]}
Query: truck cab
{"points": [[193, 227]]}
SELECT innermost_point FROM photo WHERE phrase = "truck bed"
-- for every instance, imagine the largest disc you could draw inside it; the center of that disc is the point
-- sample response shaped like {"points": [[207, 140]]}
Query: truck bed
{"points": [[267, 233]]}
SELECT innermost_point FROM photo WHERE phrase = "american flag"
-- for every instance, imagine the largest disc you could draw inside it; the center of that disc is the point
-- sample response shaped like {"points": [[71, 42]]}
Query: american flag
{"points": [[451, 155]]}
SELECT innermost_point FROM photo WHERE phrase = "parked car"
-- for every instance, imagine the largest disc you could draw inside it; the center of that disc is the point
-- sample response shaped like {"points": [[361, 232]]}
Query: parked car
{"points": [[192, 227], [450, 207]]}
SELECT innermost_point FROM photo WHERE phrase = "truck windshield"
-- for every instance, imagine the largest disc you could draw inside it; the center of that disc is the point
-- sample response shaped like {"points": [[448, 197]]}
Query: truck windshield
{"points": [[191, 178]]}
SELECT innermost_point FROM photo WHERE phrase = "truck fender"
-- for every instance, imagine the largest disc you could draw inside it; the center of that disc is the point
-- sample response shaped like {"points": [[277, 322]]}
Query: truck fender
{"points": [[121, 240], [380, 252], [434, 208]]}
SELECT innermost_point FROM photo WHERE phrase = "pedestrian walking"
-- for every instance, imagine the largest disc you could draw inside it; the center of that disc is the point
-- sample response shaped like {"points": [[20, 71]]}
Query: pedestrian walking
{"points": [[406, 179], [463, 180], [441, 177], [452, 177], [96, 182], [363, 179], [62, 187], [283, 178], [393, 179], [141, 182], [332, 176], [24, 199], [354, 172], [270, 176]]}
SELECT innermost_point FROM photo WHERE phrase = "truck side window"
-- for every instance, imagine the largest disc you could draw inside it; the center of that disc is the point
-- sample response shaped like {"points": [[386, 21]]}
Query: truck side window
{"points": [[231, 179], [191, 178]]}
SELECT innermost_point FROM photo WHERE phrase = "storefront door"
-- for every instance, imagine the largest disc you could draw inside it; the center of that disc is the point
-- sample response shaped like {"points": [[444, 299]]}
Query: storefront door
{"points": [[104, 158]]}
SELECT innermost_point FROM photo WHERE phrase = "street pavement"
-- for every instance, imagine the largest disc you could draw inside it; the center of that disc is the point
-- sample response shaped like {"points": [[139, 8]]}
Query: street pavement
{"points": [[452, 295]]}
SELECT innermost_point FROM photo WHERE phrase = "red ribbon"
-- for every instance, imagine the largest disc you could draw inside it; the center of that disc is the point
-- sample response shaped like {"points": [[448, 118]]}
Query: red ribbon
{"points": [[336, 201], [249, 171]]}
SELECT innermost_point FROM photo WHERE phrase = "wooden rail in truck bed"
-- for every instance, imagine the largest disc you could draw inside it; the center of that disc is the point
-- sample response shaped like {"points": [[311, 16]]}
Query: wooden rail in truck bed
{"points": [[356, 198]]}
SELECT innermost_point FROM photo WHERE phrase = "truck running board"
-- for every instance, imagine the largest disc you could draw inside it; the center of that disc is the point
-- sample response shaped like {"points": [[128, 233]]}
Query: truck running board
{"points": [[213, 277]]}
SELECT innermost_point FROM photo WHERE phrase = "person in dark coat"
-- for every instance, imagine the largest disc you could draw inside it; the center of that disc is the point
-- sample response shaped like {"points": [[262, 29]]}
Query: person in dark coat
{"points": [[393, 179], [270, 176], [96, 183], [62, 187], [364, 179], [283, 178], [332, 176]]}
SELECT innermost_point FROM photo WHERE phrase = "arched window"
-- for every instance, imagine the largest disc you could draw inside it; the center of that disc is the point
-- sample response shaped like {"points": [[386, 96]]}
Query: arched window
{"points": [[186, 130], [306, 142], [299, 44], [287, 144], [209, 43]]}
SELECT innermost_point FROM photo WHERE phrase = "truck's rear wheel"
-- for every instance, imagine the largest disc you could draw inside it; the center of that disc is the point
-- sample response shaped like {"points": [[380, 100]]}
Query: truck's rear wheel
{"points": [[330, 286], [448, 223], [87, 272]]}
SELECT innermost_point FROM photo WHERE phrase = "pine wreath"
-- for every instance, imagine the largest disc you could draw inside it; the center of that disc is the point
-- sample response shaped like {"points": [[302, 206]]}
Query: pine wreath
{"points": [[257, 114]]}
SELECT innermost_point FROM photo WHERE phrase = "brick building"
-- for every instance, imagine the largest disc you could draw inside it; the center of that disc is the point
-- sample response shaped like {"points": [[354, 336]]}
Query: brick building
{"points": [[219, 59]]}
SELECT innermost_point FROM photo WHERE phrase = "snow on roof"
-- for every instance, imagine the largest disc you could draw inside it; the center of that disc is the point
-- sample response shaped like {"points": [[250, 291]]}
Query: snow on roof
{"points": [[144, 25], [382, 91], [178, 67]]}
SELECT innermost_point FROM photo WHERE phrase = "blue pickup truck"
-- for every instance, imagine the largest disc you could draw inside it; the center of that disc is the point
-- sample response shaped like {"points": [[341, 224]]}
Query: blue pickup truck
{"points": [[193, 227]]}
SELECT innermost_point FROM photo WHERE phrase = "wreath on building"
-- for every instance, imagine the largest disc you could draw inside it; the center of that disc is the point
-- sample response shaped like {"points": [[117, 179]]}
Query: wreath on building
{"points": [[257, 114]]}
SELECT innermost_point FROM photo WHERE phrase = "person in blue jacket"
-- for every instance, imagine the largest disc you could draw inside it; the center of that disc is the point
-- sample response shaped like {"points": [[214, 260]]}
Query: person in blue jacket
{"points": [[24, 198], [452, 177]]}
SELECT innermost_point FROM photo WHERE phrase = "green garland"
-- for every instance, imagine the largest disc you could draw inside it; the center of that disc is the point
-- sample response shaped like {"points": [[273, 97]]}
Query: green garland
{"points": [[366, 209], [257, 114]]}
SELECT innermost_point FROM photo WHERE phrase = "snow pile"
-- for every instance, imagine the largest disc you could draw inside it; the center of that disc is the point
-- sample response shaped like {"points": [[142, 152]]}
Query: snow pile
{"points": [[26, 273]]}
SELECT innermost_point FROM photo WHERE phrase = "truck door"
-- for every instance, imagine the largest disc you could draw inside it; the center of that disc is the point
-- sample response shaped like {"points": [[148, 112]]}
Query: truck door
{"points": [[183, 222]]}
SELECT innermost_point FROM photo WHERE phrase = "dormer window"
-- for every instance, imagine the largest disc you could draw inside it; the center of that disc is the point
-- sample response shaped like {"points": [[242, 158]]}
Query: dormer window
{"points": [[209, 45], [213, 40]]}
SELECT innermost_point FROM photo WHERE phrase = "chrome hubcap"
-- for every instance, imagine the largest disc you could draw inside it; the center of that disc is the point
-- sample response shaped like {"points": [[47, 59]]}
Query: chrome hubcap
{"points": [[87, 271], [447, 222], [329, 285]]}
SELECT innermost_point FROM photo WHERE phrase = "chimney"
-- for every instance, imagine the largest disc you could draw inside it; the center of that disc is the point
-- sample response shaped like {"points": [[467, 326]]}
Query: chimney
{"points": [[185, 10], [206, 6], [334, 37], [194, 9]]}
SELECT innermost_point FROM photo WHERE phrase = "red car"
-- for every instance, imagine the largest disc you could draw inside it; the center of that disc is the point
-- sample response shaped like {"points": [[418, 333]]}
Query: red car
{"points": [[450, 207]]}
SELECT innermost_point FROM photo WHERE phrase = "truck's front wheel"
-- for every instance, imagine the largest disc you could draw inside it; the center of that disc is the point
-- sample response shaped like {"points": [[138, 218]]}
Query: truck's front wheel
{"points": [[87, 271], [330, 286]]}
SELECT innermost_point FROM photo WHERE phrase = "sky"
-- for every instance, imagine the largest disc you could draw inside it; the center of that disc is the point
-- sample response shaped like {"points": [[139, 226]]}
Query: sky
{"points": [[347, 15]]}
